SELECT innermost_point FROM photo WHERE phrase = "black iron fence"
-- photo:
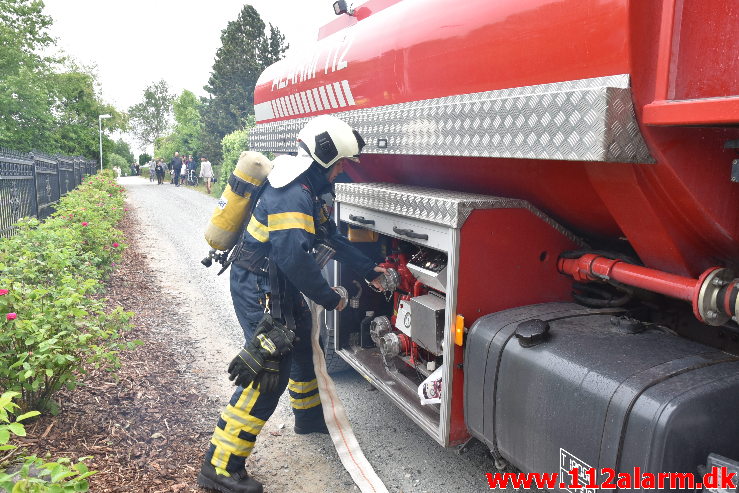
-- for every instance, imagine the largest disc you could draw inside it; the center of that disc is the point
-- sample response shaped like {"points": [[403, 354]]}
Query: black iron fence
{"points": [[30, 184]]}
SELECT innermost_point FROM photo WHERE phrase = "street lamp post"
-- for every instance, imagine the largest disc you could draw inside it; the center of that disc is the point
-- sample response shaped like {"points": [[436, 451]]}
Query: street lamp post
{"points": [[100, 133]]}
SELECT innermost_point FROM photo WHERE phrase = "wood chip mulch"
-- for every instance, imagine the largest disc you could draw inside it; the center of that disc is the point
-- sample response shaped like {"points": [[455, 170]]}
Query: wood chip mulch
{"points": [[147, 425]]}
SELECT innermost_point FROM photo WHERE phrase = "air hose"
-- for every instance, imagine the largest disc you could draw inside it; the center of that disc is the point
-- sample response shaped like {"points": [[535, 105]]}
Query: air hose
{"points": [[337, 422]]}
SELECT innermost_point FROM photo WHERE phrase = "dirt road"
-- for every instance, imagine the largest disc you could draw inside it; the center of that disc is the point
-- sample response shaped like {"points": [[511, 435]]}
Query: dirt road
{"points": [[172, 221]]}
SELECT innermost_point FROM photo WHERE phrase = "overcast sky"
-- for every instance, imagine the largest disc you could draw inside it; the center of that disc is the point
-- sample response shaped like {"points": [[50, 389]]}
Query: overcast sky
{"points": [[137, 42]]}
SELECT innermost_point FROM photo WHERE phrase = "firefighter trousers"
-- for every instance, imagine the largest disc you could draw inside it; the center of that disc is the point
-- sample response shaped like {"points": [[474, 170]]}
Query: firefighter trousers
{"points": [[249, 409]]}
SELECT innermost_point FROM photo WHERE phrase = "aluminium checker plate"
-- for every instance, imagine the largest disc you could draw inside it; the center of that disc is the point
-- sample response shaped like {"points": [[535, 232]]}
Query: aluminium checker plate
{"points": [[444, 207], [580, 120]]}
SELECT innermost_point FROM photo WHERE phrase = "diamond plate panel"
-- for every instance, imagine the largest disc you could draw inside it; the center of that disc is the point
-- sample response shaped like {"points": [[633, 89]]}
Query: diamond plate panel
{"points": [[581, 120], [445, 207]]}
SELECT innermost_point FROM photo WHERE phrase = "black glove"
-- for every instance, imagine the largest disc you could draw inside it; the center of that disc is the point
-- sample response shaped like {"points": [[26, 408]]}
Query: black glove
{"points": [[269, 380], [245, 367], [272, 338], [262, 354]]}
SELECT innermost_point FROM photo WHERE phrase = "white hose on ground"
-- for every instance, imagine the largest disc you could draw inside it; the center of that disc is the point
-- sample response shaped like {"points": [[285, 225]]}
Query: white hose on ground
{"points": [[346, 444]]}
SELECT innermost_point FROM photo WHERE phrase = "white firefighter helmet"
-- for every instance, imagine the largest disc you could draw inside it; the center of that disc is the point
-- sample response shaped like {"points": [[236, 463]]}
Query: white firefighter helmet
{"points": [[328, 139], [325, 139]]}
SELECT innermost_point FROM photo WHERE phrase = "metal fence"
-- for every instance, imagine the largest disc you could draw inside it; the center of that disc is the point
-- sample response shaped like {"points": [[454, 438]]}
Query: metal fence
{"points": [[31, 184]]}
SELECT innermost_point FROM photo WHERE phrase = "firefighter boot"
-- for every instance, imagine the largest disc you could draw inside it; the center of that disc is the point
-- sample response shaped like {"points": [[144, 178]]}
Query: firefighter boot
{"points": [[238, 482], [306, 428], [306, 403], [309, 420]]}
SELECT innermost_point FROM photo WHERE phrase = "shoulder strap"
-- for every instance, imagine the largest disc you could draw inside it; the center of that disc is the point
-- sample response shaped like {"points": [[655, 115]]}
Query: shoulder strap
{"points": [[234, 252], [281, 297]]}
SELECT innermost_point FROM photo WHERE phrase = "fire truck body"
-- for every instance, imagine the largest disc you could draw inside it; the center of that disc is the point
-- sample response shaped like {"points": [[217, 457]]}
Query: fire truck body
{"points": [[508, 145], [416, 51]]}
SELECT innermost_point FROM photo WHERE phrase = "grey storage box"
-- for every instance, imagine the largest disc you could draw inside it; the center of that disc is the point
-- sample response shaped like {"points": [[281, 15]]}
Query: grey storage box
{"points": [[427, 322]]}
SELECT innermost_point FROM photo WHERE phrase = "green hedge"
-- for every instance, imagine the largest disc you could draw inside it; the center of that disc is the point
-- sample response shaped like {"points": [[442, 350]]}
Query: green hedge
{"points": [[53, 321], [32, 474], [232, 144]]}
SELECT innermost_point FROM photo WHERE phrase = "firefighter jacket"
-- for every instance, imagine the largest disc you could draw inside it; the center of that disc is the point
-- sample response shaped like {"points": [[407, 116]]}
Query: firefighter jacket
{"points": [[285, 225]]}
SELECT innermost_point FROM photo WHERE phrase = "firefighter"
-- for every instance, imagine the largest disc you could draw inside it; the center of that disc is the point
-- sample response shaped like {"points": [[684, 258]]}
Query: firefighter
{"points": [[275, 265]]}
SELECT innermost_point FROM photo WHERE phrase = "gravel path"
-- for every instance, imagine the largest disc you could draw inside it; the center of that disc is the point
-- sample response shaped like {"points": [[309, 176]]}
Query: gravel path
{"points": [[172, 221]]}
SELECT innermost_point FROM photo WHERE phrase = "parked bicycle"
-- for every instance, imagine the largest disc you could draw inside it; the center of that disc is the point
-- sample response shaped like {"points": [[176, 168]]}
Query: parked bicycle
{"points": [[192, 178]]}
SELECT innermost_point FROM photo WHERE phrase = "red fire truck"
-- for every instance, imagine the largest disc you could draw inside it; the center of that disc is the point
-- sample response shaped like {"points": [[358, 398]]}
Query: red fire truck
{"points": [[553, 186]]}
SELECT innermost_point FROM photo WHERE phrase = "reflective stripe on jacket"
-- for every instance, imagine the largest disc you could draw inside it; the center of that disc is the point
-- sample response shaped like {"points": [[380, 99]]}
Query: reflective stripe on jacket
{"points": [[287, 220]]}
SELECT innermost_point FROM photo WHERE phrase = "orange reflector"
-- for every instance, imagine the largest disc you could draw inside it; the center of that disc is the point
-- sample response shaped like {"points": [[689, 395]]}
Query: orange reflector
{"points": [[459, 331]]}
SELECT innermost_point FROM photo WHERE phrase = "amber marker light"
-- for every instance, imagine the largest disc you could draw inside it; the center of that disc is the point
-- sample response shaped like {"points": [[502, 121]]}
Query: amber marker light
{"points": [[459, 331]]}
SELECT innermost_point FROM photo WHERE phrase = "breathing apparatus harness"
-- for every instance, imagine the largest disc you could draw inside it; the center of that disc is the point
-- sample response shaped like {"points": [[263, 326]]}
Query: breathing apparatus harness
{"points": [[257, 259], [226, 258]]}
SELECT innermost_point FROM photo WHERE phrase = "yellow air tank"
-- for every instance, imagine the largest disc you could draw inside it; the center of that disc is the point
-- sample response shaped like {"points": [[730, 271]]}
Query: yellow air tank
{"points": [[233, 207]]}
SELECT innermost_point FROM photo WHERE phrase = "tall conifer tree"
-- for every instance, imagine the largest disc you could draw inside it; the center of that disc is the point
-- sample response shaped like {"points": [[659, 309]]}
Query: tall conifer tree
{"points": [[245, 52]]}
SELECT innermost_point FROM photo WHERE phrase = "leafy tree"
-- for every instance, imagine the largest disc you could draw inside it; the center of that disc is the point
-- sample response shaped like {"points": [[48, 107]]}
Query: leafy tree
{"points": [[144, 158], [45, 105], [187, 129], [23, 33], [245, 52], [24, 119], [111, 160], [122, 148], [76, 107], [165, 148], [187, 117], [233, 145], [150, 118]]}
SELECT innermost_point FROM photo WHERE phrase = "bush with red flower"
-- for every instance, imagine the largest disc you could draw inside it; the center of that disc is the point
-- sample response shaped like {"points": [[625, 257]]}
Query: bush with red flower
{"points": [[53, 323]]}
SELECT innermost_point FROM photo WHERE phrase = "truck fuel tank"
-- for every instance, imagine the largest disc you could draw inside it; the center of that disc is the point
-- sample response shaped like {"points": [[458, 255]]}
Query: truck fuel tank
{"points": [[549, 384]]}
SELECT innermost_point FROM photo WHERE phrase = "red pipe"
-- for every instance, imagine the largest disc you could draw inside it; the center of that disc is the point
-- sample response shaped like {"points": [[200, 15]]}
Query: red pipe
{"points": [[591, 267]]}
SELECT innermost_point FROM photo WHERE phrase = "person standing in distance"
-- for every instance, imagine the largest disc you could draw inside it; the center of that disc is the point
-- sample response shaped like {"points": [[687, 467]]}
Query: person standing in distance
{"points": [[206, 173], [159, 168], [192, 164], [176, 166], [273, 270]]}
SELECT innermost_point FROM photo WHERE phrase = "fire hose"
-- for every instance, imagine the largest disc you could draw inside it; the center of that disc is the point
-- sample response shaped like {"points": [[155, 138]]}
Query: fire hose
{"points": [[337, 422]]}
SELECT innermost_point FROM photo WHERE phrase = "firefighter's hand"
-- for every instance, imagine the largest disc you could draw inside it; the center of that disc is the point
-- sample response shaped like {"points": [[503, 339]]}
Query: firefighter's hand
{"points": [[375, 283], [344, 297]]}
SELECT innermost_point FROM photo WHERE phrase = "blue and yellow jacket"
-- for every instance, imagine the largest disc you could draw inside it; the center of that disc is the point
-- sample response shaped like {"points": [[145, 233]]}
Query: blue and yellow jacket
{"points": [[285, 225]]}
